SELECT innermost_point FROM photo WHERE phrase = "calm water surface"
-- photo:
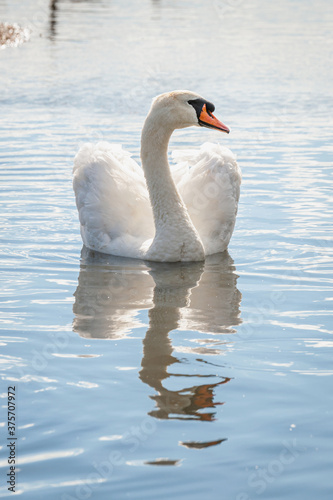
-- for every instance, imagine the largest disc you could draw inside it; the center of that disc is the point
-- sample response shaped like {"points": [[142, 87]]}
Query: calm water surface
{"points": [[137, 380]]}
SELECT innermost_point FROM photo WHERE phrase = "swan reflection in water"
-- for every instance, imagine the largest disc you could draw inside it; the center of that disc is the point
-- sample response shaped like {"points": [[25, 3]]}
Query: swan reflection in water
{"points": [[200, 297]]}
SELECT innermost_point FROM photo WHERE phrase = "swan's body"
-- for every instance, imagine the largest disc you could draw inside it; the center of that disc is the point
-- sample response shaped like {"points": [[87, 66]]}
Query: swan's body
{"points": [[184, 214]]}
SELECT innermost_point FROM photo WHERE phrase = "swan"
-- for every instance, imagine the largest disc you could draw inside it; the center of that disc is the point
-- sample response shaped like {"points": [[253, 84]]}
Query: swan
{"points": [[157, 213]]}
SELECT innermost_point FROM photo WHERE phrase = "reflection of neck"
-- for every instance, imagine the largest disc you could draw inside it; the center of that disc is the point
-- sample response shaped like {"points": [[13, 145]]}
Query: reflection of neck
{"points": [[169, 298], [157, 348]]}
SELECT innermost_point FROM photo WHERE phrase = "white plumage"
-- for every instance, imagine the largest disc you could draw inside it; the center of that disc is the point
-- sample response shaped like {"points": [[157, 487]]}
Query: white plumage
{"points": [[182, 216], [112, 199], [208, 180]]}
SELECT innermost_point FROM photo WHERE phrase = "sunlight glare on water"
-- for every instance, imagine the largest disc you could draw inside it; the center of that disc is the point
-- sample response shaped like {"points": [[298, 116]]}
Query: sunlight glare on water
{"points": [[141, 380]]}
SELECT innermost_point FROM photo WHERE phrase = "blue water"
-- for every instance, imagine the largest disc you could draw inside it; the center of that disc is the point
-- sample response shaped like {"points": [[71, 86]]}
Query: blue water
{"points": [[144, 381]]}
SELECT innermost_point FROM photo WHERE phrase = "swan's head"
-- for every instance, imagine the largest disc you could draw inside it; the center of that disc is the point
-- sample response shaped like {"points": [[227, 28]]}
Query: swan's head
{"points": [[182, 108]]}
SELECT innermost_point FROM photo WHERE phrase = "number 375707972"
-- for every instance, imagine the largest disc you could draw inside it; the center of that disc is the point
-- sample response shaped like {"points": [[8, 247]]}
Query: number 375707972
{"points": [[11, 410]]}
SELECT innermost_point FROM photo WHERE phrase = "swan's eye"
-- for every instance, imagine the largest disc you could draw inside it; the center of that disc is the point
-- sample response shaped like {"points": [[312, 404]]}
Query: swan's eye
{"points": [[198, 105], [210, 107]]}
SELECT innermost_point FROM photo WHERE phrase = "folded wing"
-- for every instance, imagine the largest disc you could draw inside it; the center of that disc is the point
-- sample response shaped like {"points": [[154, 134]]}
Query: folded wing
{"points": [[208, 180], [112, 200]]}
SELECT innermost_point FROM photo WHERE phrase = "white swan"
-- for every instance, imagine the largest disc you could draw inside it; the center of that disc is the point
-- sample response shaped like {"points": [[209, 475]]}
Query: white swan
{"points": [[184, 215]]}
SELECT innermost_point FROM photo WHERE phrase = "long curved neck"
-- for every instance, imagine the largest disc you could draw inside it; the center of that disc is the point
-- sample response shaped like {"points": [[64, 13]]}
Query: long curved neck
{"points": [[168, 207], [175, 236]]}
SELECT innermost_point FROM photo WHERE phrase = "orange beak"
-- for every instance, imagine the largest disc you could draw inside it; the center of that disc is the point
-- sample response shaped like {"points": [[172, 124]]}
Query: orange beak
{"points": [[207, 119]]}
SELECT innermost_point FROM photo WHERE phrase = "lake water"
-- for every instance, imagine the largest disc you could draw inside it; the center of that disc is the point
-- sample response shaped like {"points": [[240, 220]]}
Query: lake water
{"points": [[143, 381]]}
